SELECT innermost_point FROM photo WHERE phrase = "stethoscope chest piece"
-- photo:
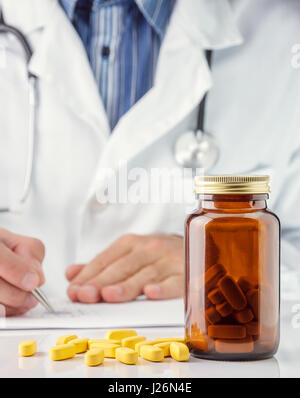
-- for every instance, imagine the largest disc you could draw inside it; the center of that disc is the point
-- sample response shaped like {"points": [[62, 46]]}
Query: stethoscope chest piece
{"points": [[196, 150]]}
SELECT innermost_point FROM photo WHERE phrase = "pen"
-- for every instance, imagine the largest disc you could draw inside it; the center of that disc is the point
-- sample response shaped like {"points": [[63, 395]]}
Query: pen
{"points": [[42, 299]]}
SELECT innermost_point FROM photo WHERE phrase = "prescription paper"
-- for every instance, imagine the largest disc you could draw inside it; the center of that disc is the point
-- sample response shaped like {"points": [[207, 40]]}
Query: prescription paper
{"points": [[140, 313]]}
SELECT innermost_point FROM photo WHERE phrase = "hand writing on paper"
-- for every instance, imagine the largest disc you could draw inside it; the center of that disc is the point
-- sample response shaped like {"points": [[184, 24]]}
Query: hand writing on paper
{"points": [[133, 265], [20, 271]]}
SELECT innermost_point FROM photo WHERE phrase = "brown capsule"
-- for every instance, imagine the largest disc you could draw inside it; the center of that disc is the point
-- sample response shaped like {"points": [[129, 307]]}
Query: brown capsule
{"points": [[224, 309], [207, 302], [232, 293], [245, 284], [226, 331], [244, 316], [212, 316], [212, 275], [215, 296]]}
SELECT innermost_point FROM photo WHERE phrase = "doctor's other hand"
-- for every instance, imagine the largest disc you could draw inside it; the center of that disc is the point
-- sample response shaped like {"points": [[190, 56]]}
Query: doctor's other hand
{"points": [[133, 265], [20, 272]]}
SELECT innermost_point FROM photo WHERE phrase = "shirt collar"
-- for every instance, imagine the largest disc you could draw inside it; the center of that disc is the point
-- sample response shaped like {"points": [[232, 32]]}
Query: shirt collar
{"points": [[69, 7], [156, 12]]}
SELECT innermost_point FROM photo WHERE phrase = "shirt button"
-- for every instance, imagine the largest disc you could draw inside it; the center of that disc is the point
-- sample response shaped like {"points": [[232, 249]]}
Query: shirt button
{"points": [[105, 51]]}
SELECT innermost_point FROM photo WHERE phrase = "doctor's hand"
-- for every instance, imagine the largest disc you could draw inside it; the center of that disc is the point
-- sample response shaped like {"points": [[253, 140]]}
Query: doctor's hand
{"points": [[133, 265], [20, 272]]}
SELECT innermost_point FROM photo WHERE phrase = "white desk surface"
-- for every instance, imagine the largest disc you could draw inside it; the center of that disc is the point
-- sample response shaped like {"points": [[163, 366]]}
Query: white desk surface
{"points": [[286, 363]]}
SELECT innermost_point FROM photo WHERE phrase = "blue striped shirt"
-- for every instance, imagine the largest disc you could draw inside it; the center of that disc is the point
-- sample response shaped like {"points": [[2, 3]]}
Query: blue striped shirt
{"points": [[122, 39]]}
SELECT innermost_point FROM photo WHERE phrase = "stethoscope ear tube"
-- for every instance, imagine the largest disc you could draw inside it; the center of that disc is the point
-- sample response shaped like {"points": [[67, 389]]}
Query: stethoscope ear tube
{"points": [[33, 107], [1, 15], [197, 149], [201, 111]]}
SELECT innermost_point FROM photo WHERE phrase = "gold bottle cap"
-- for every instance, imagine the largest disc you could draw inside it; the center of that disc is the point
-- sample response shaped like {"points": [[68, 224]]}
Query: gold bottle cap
{"points": [[232, 184]]}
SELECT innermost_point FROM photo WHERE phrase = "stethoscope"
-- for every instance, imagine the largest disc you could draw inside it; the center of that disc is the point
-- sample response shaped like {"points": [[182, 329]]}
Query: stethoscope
{"points": [[193, 149], [33, 106], [197, 148]]}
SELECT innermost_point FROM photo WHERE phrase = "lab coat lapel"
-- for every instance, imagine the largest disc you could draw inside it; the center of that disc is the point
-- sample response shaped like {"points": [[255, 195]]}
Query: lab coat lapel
{"points": [[60, 59], [182, 79], [26, 15]]}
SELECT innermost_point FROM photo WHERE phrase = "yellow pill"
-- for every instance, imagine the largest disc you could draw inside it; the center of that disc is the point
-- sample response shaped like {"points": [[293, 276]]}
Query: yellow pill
{"points": [[165, 347], [179, 352], [94, 357], [61, 352], [120, 334], [65, 339], [81, 344], [127, 355], [152, 353], [170, 339], [27, 348], [105, 341], [109, 349], [130, 342], [138, 346]]}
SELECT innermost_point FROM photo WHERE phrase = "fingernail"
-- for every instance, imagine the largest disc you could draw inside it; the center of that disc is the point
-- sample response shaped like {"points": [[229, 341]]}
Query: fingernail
{"points": [[30, 281], [91, 292], [118, 290], [38, 263], [29, 301], [73, 288], [154, 291]]}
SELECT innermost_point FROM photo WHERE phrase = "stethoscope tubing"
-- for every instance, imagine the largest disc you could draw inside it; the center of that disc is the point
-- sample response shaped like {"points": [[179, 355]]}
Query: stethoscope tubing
{"points": [[201, 110], [33, 109]]}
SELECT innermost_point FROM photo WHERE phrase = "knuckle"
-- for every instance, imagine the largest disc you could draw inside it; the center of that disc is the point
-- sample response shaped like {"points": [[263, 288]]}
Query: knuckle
{"points": [[155, 245], [37, 244], [34, 247], [153, 273]]}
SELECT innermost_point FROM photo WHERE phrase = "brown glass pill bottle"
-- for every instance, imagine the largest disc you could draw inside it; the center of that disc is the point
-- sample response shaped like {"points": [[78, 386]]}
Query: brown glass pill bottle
{"points": [[232, 255]]}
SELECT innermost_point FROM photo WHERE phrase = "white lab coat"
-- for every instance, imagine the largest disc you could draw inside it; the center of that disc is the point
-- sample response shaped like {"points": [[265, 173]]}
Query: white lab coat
{"points": [[252, 110]]}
